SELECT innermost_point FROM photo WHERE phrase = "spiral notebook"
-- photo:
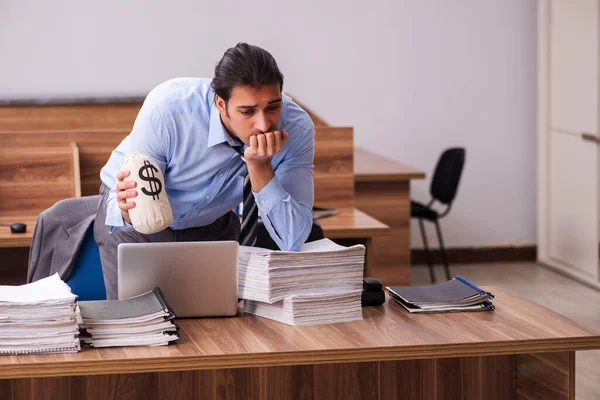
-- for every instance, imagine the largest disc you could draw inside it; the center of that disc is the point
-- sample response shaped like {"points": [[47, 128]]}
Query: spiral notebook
{"points": [[144, 320], [457, 294]]}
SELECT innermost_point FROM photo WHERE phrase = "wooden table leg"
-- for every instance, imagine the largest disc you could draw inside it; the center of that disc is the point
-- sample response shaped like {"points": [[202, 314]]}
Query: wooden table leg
{"points": [[546, 376]]}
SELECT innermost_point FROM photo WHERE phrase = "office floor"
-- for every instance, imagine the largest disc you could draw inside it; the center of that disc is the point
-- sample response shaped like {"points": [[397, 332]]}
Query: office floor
{"points": [[560, 294]]}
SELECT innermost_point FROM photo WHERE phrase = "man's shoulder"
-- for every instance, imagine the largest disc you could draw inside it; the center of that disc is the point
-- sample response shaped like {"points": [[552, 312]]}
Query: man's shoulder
{"points": [[295, 117], [180, 95]]}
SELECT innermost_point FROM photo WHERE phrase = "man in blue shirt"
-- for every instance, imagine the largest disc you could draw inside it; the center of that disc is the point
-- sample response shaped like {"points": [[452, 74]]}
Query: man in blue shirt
{"points": [[189, 127]]}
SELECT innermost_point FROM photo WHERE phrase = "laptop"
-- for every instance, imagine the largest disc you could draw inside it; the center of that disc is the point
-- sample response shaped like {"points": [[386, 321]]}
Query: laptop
{"points": [[198, 279]]}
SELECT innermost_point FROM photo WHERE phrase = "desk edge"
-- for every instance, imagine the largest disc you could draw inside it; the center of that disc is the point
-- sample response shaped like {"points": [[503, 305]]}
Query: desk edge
{"points": [[257, 360]]}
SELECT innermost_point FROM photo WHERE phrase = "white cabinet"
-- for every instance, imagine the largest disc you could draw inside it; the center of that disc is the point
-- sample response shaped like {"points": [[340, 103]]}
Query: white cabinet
{"points": [[573, 62], [568, 112]]}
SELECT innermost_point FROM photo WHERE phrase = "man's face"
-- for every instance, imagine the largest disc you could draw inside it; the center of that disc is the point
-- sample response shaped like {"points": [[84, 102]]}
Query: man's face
{"points": [[251, 111]]}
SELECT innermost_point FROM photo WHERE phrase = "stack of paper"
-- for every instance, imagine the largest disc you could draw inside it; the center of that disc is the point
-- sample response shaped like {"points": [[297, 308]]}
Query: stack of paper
{"points": [[321, 266], [457, 294], [321, 283], [144, 320], [38, 318], [310, 309]]}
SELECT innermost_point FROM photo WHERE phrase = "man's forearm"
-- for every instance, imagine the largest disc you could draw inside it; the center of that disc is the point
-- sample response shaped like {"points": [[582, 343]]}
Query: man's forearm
{"points": [[288, 221], [261, 173]]}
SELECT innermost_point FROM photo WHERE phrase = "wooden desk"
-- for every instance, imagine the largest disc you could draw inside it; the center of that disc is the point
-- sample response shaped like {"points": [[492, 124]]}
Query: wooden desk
{"points": [[351, 223], [370, 167], [348, 223], [382, 190], [522, 350], [8, 239]]}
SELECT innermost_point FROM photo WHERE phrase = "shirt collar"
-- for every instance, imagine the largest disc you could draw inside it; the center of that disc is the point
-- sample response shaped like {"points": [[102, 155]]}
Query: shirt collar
{"points": [[217, 133]]}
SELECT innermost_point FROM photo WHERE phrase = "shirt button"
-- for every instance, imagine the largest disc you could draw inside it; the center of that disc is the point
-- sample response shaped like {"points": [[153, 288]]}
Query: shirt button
{"points": [[182, 220], [221, 174], [207, 197], [263, 201]]}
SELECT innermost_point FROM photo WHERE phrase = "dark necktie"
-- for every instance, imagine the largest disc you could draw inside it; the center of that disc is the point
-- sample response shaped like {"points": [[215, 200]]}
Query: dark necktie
{"points": [[249, 228]]}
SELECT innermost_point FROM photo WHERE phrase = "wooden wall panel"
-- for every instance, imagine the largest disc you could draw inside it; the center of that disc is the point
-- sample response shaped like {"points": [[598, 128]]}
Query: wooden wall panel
{"points": [[109, 116], [334, 167], [32, 179], [334, 179], [92, 159], [68, 117], [94, 150], [98, 128]]}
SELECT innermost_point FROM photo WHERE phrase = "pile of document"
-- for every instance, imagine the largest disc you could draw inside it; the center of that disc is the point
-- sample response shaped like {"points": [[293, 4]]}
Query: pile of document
{"points": [[457, 294], [321, 283], [38, 318], [310, 309], [144, 320]]}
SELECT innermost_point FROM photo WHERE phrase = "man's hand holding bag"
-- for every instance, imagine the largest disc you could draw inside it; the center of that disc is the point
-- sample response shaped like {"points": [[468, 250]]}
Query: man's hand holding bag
{"points": [[141, 195]]}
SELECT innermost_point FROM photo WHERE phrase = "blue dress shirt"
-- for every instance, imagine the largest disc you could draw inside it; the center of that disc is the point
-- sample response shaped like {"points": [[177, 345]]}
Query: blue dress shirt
{"points": [[179, 127]]}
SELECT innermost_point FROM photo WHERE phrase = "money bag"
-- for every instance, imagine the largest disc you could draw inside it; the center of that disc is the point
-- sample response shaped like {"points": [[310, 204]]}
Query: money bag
{"points": [[152, 212]]}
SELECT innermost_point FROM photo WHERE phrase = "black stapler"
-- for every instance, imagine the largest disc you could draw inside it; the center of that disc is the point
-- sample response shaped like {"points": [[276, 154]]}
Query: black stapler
{"points": [[372, 293]]}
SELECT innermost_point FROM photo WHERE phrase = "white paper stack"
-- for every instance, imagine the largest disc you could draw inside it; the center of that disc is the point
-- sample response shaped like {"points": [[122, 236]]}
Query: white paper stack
{"points": [[144, 320], [310, 309], [38, 318], [321, 283]]}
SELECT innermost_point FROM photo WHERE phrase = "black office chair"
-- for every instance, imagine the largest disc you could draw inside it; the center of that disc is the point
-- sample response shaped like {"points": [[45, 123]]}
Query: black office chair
{"points": [[443, 189]]}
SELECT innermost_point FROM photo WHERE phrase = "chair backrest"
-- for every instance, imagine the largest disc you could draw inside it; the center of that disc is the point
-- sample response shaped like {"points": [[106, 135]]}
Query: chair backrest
{"points": [[87, 279], [446, 177]]}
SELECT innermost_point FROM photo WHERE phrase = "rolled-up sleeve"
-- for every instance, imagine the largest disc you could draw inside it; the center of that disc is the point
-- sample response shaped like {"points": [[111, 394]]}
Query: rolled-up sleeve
{"points": [[149, 136], [286, 202]]}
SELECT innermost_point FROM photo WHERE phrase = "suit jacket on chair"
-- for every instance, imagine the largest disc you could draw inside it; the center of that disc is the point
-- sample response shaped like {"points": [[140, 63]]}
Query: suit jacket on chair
{"points": [[58, 236]]}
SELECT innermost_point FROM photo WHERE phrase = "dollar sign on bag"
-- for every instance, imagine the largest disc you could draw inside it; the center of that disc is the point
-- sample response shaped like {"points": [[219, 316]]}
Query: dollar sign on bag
{"points": [[153, 181]]}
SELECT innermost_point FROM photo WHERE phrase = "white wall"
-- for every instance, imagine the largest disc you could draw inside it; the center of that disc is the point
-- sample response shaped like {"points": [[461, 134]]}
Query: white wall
{"points": [[412, 77]]}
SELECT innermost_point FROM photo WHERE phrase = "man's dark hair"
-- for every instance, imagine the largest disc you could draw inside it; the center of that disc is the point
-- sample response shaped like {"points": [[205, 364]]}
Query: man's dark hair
{"points": [[245, 65]]}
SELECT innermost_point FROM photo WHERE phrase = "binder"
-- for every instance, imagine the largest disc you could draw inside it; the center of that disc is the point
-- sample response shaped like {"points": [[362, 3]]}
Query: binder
{"points": [[146, 319], [149, 303], [457, 294]]}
